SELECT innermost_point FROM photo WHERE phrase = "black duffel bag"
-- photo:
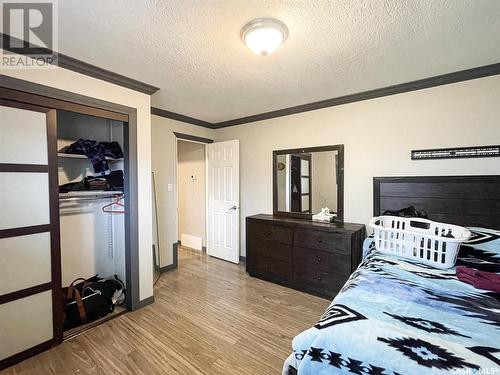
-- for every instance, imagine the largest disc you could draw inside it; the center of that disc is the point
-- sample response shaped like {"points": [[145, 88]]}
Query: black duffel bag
{"points": [[86, 300]]}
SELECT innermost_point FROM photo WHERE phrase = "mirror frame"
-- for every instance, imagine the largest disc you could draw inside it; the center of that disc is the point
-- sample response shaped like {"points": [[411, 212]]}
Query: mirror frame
{"points": [[340, 181]]}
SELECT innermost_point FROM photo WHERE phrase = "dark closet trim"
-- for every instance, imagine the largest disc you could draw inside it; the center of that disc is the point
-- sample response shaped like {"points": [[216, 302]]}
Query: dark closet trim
{"points": [[23, 293], [67, 100], [93, 324], [189, 137], [90, 70], [24, 168], [440, 80], [55, 236], [41, 99], [177, 116]]}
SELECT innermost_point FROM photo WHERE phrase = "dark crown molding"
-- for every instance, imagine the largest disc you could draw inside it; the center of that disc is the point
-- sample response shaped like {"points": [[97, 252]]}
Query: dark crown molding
{"points": [[82, 67], [445, 79], [90, 70], [463, 75]]}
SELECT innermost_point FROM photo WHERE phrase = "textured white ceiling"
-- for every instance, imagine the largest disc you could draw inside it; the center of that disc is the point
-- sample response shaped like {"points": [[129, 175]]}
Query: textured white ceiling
{"points": [[193, 52]]}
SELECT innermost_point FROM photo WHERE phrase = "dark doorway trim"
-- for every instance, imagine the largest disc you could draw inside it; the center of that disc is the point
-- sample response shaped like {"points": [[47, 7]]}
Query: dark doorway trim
{"points": [[90, 70], [189, 137], [177, 116]]}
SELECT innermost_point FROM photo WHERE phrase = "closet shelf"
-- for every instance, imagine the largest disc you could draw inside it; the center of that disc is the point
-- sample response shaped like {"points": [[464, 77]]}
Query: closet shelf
{"points": [[90, 194], [77, 156]]}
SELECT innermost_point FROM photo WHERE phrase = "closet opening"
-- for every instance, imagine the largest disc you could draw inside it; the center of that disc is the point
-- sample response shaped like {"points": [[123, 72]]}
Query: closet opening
{"points": [[40, 212], [92, 211], [191, 195]]}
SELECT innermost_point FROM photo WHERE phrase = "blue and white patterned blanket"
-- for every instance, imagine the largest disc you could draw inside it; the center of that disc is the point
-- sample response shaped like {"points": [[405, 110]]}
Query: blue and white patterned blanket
{"points": [[397, 317]]}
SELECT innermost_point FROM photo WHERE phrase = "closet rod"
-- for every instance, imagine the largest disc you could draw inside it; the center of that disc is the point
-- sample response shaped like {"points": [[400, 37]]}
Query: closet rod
{"points": [[69, 199]]}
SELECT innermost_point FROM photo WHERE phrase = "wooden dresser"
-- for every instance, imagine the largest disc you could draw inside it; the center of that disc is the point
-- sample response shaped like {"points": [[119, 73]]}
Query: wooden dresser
{"points": [[313, 257]]}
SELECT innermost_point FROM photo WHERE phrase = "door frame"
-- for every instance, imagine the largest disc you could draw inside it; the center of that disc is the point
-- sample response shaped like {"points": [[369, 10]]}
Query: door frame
{"points": [[193, 139], [28, 93]]}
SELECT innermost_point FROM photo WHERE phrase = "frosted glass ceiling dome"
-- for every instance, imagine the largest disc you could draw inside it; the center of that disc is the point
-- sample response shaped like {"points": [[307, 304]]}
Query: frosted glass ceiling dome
{"points": [[264, 35]]}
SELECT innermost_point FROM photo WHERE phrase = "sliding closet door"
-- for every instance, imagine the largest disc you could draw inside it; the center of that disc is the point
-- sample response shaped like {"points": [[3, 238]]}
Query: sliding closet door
{"points": [[30, 286]]}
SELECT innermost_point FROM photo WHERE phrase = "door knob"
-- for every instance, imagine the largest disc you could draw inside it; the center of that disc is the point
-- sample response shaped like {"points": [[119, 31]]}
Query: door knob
{"points": [[234, 208]]}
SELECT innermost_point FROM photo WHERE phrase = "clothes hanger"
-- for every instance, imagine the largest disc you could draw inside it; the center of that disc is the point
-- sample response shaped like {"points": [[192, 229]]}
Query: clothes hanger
{"points": [[109, 207]]}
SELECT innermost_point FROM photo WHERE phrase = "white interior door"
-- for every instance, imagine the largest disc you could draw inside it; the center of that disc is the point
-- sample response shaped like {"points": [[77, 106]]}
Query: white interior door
{"points": [[223, 200]]}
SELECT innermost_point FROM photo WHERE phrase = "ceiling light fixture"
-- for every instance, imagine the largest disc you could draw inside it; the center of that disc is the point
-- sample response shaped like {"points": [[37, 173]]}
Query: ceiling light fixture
{"points": [[264, 35]]}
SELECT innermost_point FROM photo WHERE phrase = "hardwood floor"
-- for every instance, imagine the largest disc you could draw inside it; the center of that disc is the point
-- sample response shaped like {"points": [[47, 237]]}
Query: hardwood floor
{"points": [[209, 317]]}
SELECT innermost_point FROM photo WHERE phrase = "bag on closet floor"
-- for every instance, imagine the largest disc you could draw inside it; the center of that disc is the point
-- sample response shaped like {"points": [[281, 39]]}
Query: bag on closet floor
{"points": [[86, 300]]}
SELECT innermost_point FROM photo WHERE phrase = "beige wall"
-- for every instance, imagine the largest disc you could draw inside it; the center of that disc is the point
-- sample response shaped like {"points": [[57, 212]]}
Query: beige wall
{"points": [[378, 136], [164, 159], [191, 193], [91, 87]]}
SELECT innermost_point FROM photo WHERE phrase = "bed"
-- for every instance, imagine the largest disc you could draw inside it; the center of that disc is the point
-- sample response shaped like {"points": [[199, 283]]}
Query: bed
{"points": [[396, 317]]}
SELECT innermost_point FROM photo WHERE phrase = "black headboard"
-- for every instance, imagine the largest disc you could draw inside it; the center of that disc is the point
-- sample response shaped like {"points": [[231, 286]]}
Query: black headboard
{"points": [[461, 200]]}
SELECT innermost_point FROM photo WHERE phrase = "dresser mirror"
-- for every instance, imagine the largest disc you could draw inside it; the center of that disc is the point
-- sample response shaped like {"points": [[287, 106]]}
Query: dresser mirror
{"points": [[305, 180]]}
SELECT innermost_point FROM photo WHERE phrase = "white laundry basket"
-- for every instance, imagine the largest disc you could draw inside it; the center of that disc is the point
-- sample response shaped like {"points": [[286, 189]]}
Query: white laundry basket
{"points": [[421, 240]]}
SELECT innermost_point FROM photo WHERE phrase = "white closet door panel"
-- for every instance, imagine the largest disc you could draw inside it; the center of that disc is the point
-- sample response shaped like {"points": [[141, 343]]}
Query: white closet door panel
{"points": [[304, 167], [25, 262], [23, 136], [24, 199], [24, 323], [304, 185]]}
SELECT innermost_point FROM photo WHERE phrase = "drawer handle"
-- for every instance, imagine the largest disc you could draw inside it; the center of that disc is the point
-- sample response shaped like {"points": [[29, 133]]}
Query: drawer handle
{"points": [[320, 240], [319, 259], [268, 234], [318, 278]]}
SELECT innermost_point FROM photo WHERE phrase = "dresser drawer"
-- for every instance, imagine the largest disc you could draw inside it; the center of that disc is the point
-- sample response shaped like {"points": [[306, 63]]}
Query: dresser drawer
{"points": [[272, 267], [322, 260], [270, 249], [270, 232], [314, 279], [326, 241]]}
